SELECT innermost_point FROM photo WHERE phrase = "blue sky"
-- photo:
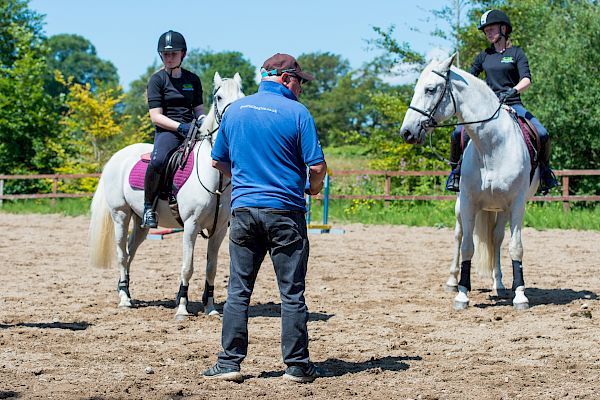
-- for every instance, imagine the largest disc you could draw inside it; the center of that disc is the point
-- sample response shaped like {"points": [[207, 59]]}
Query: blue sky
{"points": [[126, 31]]}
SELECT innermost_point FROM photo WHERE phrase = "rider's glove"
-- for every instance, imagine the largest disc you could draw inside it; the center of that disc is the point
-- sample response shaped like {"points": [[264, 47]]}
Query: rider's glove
{"points": [[503, 96], [183, 129]]}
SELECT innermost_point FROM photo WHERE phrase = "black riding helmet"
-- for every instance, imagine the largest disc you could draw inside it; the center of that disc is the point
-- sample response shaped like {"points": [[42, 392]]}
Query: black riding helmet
{"points": [[171, 41], [495, 17]]}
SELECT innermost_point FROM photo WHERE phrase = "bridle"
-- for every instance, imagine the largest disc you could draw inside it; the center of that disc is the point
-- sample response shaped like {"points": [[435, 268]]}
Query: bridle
{"points": [[432, 123], [218, 114]]}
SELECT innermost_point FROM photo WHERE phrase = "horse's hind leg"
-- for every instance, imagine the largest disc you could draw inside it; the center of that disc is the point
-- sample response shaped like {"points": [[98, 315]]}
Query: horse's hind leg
{"points": [[121, 219], [212, 253], [452, 282], [498, 286], [136, 237]]}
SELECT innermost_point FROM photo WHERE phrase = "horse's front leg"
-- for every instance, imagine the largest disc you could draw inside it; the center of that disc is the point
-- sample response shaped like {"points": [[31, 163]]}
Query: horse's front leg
{"points": [[212, 253], [515, 249], [467, 249], [190, 233], [498, 286], [452, 282]]}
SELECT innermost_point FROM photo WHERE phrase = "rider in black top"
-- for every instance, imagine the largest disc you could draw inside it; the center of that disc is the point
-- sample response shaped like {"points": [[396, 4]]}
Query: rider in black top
{"points": [[174, 100], [507, 73]]}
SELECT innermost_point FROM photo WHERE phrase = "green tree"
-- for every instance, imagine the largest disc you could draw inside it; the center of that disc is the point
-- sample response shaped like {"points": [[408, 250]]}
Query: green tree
{"points": [[205, 63], [138, 126], [75, 56], [339, 98], [28, 125], [91, 128], [560, 39], [327, 68]]}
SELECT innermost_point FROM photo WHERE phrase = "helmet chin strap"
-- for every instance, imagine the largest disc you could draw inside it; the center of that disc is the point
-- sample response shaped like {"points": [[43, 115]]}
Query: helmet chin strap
{"points": [[500, 36], [170, 70]]}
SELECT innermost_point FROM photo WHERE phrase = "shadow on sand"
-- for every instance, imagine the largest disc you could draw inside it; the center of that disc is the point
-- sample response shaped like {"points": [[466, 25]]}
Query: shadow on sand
{"points": [[539, 296], [273, 310], [72, 326], [333, 367]]}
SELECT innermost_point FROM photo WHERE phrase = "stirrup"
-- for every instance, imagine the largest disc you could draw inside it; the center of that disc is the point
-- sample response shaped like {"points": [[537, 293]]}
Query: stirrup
{"points": [[453, 181], [149, 219]]}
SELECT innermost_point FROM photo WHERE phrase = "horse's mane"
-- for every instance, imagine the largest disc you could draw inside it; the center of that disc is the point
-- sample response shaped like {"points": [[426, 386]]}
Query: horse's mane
{"points": [[474, 82], [210, 120]]}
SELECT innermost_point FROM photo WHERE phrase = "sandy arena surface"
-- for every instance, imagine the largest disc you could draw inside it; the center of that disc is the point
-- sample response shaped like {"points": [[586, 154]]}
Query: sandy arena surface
{"points": [[381, 324]]}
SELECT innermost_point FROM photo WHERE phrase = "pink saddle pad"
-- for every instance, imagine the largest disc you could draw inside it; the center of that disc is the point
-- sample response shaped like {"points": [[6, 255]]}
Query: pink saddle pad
{"points": [[136, 177]]}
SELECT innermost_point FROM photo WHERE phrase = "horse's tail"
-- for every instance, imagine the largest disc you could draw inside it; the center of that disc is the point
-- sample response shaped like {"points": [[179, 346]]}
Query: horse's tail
{"points": [[102, 232], [483, 238]]}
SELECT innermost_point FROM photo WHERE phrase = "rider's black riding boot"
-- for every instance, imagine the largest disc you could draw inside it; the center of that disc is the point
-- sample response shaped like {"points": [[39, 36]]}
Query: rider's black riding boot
{"points": [[151, 191], [547, 178], [453, 181]]}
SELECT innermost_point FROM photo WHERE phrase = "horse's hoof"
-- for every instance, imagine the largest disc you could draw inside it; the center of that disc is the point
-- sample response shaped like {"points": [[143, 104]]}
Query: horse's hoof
{"points": [[181, 317], [521, 306], [503, 293], [125, 304], [213, 313], [450, 289], [460, 305]]}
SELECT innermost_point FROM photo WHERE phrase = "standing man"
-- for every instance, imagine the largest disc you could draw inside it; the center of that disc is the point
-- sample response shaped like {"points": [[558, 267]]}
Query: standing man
{"points": [[265, 143]]}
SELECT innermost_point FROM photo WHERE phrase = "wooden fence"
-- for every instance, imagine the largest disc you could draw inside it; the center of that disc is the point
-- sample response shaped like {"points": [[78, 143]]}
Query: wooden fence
{"points": [[565, 198]]}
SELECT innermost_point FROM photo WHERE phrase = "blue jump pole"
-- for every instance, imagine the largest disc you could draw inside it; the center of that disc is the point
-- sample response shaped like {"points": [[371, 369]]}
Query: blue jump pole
{"points": [[326, 200]]}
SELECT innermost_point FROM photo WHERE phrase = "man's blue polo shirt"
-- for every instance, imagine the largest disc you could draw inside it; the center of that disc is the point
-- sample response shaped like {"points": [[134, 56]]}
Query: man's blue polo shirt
{"points": [[268, 138]]}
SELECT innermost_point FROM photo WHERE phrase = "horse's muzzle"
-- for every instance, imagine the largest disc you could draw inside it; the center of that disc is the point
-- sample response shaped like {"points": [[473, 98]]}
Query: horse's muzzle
{"points": [[409, 137]]}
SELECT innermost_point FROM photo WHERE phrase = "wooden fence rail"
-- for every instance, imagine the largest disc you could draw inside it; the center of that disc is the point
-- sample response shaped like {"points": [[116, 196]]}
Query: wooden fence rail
{"points": [[565, 198]]}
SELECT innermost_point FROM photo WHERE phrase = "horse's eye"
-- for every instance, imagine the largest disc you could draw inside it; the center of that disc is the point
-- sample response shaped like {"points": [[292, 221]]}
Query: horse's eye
{"points": [[218, 98], [430, 90]]}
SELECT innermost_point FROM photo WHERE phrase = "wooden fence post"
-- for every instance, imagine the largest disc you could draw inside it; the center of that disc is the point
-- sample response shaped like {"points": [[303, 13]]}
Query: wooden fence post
{"points": [[54, 190], [388, 188], [565, 193]]}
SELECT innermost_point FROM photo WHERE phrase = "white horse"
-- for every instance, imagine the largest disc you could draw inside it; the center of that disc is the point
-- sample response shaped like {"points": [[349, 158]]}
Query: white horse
{"points": [[204, 203], [495, 174]]}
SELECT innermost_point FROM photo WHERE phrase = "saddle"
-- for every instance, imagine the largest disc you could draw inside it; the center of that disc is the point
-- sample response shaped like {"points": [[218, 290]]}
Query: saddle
{"points": [[179, 168], [530, 136]]}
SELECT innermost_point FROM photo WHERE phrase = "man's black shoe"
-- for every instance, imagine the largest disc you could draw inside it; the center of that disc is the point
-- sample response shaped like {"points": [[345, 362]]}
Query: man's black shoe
{"points": [[303, 374], [223, 374]]}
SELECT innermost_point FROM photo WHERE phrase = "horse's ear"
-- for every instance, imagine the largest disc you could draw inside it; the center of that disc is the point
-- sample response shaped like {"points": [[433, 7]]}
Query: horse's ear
{"points": [[217, 80], [447, 63], [238, 79]]}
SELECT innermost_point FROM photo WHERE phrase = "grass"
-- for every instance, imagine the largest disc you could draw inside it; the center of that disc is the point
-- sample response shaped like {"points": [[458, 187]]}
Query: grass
{"points": [[441, 214], [71, 207], [346, 157], [413, 213]]}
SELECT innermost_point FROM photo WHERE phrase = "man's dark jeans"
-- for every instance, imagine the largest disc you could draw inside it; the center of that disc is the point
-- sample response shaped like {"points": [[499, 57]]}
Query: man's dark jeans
{"points": [[254, 232]]}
